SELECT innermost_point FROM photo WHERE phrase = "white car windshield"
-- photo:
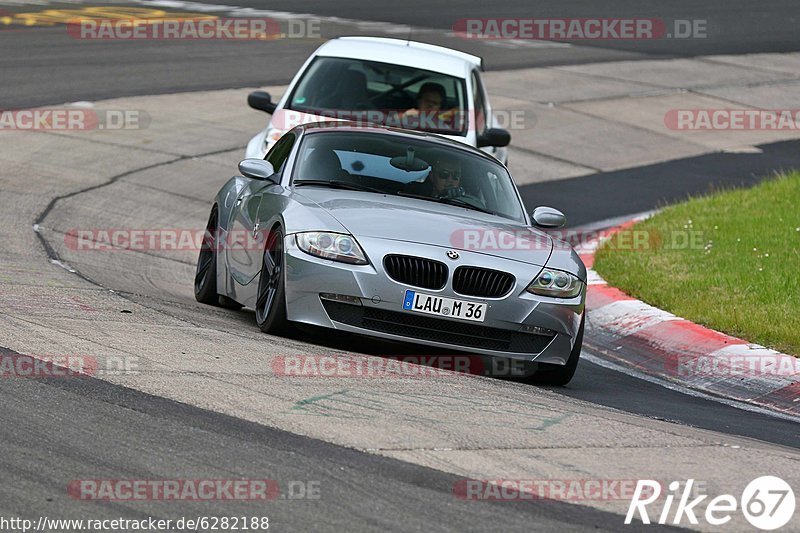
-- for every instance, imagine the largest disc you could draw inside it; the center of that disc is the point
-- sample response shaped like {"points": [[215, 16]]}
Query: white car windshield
{"points": [[394, 164], [382, 93]]}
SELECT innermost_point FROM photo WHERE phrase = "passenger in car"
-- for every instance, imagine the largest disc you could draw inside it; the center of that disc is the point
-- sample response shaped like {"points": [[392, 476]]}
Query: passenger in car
{"points": [[350, 93]]}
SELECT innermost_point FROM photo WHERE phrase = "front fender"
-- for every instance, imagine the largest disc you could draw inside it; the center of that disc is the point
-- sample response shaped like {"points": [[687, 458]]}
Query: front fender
{"points": [[299, 217], [565, 258], [226, 199]]}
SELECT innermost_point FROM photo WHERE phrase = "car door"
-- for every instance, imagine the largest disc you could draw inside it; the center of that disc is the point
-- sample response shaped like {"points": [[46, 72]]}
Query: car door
{"points": [[246, 239], [484, 118]]}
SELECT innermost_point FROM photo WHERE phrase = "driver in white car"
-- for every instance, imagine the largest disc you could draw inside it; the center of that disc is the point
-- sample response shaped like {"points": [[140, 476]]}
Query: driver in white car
{"points": [[430, 98]]}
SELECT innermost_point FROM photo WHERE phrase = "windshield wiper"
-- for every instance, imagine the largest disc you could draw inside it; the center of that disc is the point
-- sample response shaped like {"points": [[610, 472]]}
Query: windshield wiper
{"points": [[418, 196], [339, 184], [447, 200], [461, 203]]}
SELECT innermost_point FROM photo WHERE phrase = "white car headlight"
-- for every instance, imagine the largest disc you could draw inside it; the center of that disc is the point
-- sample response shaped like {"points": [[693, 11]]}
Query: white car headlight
{"points": [[273, 136], [333, 246], [556, 283]]}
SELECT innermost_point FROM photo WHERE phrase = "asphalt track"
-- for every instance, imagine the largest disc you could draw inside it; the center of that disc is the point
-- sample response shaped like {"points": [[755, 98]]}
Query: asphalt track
{"points": [[734, 27], [75, 426], [640, 189], [43, 65], [88, 425], [599, 385]]}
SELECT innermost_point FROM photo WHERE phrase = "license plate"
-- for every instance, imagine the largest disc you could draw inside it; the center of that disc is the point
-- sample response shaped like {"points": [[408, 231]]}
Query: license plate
{"points": [[436, 305]]}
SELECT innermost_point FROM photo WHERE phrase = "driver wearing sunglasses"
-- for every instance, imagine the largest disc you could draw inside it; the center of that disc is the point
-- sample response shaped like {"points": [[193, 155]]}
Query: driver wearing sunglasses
{"points": [[446, 177], [444, 180]]}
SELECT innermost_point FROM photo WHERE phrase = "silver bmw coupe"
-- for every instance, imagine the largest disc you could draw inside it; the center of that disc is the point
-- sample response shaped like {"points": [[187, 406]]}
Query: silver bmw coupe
{"points": [[401, 235]]}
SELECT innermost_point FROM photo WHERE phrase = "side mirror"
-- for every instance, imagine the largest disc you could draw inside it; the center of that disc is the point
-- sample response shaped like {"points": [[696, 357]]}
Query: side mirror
{"points": [[494, 137], [262, 101], [257, 169], [547, 217]]}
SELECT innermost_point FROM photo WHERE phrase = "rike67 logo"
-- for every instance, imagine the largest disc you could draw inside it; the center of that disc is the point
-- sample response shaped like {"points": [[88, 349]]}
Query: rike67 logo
{"points": [[767, 503]]}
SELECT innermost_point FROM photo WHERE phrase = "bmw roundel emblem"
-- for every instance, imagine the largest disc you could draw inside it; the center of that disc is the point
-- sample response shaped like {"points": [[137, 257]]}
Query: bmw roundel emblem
{"points": [[452, 254]]}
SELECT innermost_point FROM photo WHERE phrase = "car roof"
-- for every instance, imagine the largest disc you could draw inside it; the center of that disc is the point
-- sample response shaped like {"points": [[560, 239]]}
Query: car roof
{"points": [[402, 52], [328, 126]]}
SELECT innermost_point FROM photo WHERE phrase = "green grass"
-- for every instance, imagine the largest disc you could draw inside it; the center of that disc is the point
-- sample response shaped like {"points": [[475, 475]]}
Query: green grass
{"points": [[739, 273]]}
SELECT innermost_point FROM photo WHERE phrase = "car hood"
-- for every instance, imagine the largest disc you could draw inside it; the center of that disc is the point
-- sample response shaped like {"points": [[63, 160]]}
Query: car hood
{"points": [[399, 218]]}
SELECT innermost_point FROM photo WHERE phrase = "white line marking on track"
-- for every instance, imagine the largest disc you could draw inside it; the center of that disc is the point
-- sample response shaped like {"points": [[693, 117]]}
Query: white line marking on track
{"points": [[64, 266]]}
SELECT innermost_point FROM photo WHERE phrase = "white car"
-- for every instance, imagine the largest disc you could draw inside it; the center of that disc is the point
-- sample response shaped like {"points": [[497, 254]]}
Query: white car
{"points": [[386, 81]]}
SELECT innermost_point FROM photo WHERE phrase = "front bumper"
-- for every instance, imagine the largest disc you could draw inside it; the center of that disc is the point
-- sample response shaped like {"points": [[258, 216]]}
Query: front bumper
{"points": [[380, 313]]}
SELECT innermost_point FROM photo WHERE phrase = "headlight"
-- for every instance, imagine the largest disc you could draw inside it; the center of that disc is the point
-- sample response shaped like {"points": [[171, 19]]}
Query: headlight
{"points": [[273, 136], [556, 283], [334, 246]]}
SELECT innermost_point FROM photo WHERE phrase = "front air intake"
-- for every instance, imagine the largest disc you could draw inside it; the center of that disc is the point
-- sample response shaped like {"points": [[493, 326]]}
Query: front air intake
{"points": [[482, 282], [416, 271]]}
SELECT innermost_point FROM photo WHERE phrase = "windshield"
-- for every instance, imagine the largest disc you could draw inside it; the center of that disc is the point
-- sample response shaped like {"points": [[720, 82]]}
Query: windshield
{"points": [[382, 93], [396, 165]]}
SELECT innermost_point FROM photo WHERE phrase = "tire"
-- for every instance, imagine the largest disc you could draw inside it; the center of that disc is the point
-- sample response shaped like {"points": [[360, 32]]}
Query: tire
{"points": [[271, 297], [205, 277], [560, 375]]}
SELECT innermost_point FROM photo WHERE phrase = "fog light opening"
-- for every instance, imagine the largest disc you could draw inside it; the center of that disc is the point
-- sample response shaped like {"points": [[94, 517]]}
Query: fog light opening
{"points": [[536, 330], [343, 298]]}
